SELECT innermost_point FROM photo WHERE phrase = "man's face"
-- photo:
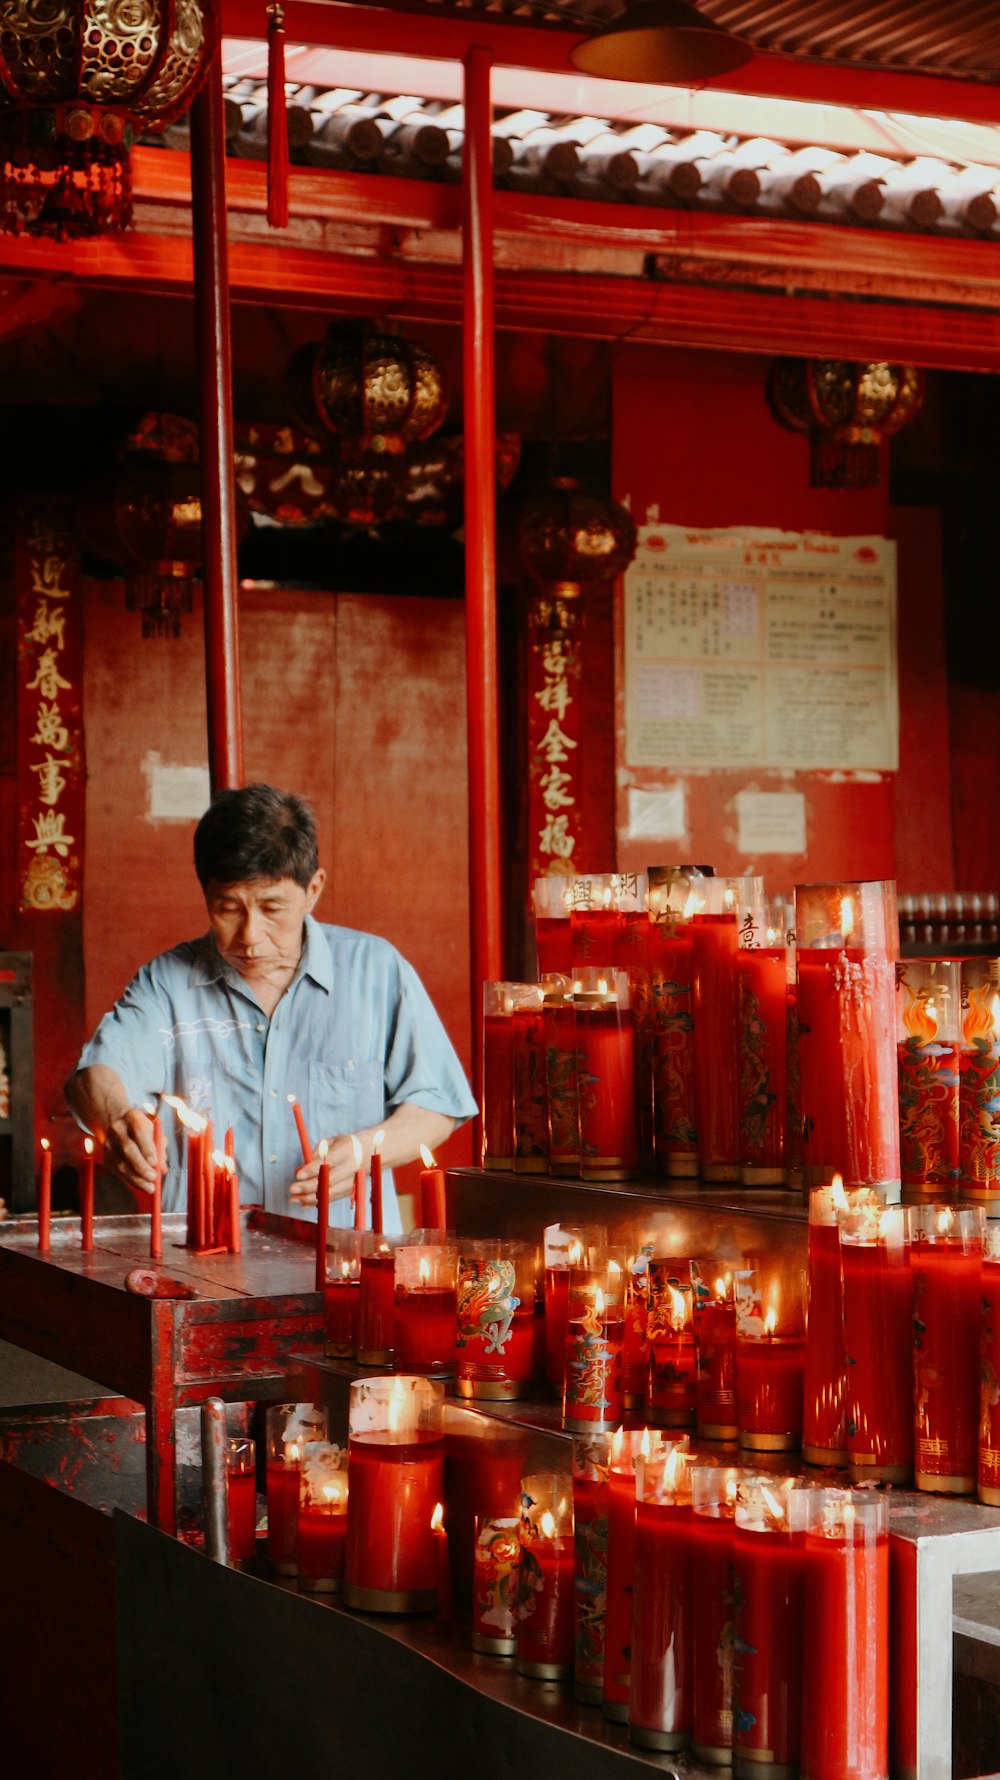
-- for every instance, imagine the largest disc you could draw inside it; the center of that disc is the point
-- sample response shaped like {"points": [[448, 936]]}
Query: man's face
{"points": [[258, 924]]}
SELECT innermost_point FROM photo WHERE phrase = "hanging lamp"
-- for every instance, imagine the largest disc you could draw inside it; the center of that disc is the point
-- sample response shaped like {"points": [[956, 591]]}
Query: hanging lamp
{"points": [[663, 42]]}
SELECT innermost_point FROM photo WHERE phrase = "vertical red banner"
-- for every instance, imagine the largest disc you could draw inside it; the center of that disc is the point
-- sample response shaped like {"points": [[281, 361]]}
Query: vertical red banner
{"points": [[554, 733], [49, 715]]}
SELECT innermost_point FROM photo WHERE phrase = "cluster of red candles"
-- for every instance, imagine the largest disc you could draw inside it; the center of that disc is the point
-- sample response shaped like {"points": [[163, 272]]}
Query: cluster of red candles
{"points": [[307, 1488]]}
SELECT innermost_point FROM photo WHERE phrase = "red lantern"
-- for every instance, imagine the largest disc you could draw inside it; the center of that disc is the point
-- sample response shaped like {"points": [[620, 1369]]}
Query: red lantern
{"points": [[76, 78], [571, 539], [846, 410], [368, 386]]}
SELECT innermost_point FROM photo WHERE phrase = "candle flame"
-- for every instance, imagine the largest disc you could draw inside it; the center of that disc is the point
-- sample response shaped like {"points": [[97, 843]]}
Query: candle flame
{"points": [[617, 1446], [838, 1198], [229, 1164], [945, 1220], [721, 1288], [602, 986], [359, 1154], [575, 1252], [614, 1267], [606, 898], [44, 1142], [548, 1526], [191, 1120], [775, 1508], [846, 917], [678, 1308], [645, 1444], [395, 1406], [88, 1144], [424, 1270], [149, 1109], [293, 1452], [220, 1158], [732, 1485], [771, 1321], [321, 1149], [920, 1016], [673, 1470], [577, 987], [728, 897], [693, 905], [771, 936], [599, 1301], [292, 1099], [345, 1270], [377, 1142], [427, 1157], [437, 1518], [331, 1492]]}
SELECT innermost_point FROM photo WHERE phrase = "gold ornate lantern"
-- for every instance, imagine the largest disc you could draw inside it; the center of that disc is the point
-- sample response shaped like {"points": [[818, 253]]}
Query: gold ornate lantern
{"points": [[373, 389], [77, 78], [571, 539], [846, 410]]}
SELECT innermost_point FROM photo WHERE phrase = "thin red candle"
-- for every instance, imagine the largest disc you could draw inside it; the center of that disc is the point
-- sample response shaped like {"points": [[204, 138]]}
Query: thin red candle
{"points": [[241, 1492], [945, 1264], [496, 1562], [45, 1198], [396, 1473], [562, 1091], [606, 1063], [544, 1630], [322, 1215], [845, 1667], [671, 962], [195, 1238], [660, 1707], [878, 1343], [483, 1467], [769, 1375], [824, 1427], [156, 1214], [358, 1201], [376, 1173], [591, 1457], [716, 1028], [531, 1128], [714, 1328], [498, 1075], [376, 1309], [206, 1188], [768, 1583], [87, 1196], [670, 1397], [763, 1072], [713, 1612], [233, 1190], [300, 1126], [433, 1215]]}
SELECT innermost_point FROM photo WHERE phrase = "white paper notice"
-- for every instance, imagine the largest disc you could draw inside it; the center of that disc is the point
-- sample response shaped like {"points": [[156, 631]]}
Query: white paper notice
{"points": [[771, 822], [657, 815], [761, 649], [176, 793]]}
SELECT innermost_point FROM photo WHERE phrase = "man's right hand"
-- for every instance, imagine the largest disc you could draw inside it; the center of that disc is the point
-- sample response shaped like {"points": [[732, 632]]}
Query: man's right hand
{"points": [[130, 1150]]}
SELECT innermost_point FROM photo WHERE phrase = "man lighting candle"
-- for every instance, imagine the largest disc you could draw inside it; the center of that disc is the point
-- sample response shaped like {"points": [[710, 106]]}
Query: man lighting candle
{"points": [[268, 1003]]}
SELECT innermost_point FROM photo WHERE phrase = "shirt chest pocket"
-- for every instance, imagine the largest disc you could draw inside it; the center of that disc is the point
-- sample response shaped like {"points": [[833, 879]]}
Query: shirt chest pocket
{"points": [[343, 1097]]}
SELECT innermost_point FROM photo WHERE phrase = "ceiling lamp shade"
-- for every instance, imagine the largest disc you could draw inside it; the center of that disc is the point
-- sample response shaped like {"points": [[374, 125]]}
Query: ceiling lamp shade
{"points": [[77, 77], [846, 410], [570, 539], [663, 42]]}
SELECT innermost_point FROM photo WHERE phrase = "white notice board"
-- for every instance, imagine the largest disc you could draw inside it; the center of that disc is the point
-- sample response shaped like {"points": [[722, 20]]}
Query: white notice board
{"points": [[761, 649]]}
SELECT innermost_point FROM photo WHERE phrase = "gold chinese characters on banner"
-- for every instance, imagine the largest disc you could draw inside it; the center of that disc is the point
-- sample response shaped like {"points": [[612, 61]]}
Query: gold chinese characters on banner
{"points": [[50, 730]]}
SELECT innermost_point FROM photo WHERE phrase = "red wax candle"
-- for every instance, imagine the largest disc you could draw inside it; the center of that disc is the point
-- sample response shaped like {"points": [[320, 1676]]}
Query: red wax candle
{"points": [[625, 1451], [716, 1048], [553, 945], [87, 1196], [156, 1215], [763, 1074], [241, 1489], [767, 1561], [945, 1263], [376, 1174], [671, 958], [769, 1376], [878, 1342], [322, 1539], [283, 1480], [433, 1215], [233, 1189], [322, 1216], [300, 1126], [670, 1395], [483, 1467], [713, 1631], [45, 1199], [989, 1373], [495, 1343], [660, 1693], [631, 954], [194, 1202], [396, 1481], [498, 1076], [531, 1130], [593, 1395], [376, 1309], [594, 934], [845, 1668], [562, 1095], [590, 1540], [545, 1594], [928, 1074], [556, 1316], [343, 1298], [714, 1324], [424, 1329], [847, 1064], [824, 1429], [606, 1062], [206, 1189]]}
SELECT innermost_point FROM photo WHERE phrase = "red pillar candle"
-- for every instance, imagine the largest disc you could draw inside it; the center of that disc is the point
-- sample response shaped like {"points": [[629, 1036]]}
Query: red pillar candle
{"points": [[87, 1196], [989, 1370], [767, 1566], [714, 1329], [763, 1092], [847, 940], [358, 1201], [564, 1245], [845, 1659], [425, 1325], [45, 1198], [715, 934], [928, 1012], [396, 1475], [241, 1497], [626, 1449], [483, 1467], [594, 920], [376, 1174], [342, 1294], [495, 1566], [631, 954], [531, 1128], [498, 1075], [824, 1427], [606, 1062], [544, 1629], [595, 1336], [878, 1343], [322, 1215], [322, 1517], [770, 1356], [979, 1082], [713, 1628], [635, 1351], [496, 1319], [433, 1215], [946, 1248], [660, 1709], [289, 1428], [672, 902], [670, 1397], [562, 1093], [300, 1126], [551, 897], [376, 1300], [591, 1458]]}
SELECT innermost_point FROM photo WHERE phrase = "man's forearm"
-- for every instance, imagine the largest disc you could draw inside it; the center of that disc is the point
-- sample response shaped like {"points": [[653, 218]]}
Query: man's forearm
{"points": [[410, 1126], [97, 1097]]}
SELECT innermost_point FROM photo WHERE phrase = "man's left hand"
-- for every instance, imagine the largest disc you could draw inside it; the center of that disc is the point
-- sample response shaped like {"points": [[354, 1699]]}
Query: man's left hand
{"points": [[339, 1160]]}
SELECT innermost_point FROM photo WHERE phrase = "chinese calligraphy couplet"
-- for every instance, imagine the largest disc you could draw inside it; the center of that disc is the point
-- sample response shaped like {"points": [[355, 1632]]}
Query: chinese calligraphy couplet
{"points": [[50, 731], [554, 731]]}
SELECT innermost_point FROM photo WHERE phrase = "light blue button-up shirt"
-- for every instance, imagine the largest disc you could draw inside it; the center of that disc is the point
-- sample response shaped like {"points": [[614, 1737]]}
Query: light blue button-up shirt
{"points": [[354, 1036]]}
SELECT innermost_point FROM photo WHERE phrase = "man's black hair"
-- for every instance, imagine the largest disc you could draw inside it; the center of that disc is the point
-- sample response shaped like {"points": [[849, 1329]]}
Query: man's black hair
{"points": [[256, 832]]}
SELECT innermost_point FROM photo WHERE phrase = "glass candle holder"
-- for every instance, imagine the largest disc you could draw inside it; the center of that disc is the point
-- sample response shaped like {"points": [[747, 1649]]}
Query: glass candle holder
{"points": [[660, 1711], [551, 897], [635, 1351], [671, 1393], [595, 1337], [495, 1570], [343, 1293], [847, 941], [605, 1042], [627, 1446], [631, 954], [545, 1578], [768, 1586], [564, 1245], [715, 932], [594, 920], [483, 1465], [562, 1096], [824, 1424], [979, 1082], [946, 1250], [241, 1499], [531, 1125], [989, 1371], [928, 1029], [322, 1535], [878, 1342], [845, 1658], [591, 1460], [396, 1476], [714, 1330], [673, 900], [496, 1315], [289, 1428], [770, 1357], [376, 1303], [498, 1075], [426, 1318], [713, 1611], [763, 1040]]}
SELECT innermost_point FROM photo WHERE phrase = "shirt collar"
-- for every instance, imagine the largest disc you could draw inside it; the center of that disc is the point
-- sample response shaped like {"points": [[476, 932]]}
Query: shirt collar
{"points": [[315, 961]]}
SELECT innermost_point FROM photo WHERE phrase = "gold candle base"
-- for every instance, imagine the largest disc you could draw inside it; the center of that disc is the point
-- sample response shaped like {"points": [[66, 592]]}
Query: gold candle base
{"points": [[668, 1740], [861, 1472], [588, 1693], [944, 1486], [989, 1494], [633, 1399], [613, 1169], [374, 1356], [768, 1442], [829, 1457], [282, 1569], [494, 1390], [499, 1162], [746, 1768], [716, 1172], [338, 1350], [572, 1426], [669, 1418], [493, 1646], [321, 1585], [388, 1600], [680, 1167], [718, 1431], [530, 1165], [615, 1712], [763, 1177], [712, 1757], [545, 1671]]}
